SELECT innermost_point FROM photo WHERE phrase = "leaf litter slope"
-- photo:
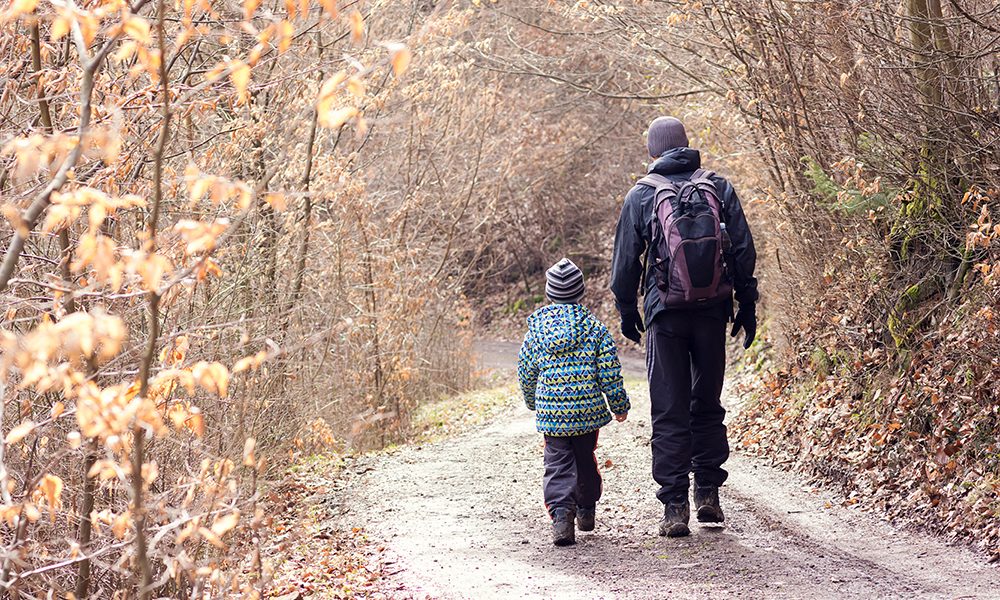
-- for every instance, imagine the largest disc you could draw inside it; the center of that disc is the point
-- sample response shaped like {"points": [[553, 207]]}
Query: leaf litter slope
{"points": [[463, 518]]}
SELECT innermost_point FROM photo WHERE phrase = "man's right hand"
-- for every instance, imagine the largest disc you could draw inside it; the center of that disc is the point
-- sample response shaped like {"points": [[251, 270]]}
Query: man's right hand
{"points": [[746, 319], [632, 327]]}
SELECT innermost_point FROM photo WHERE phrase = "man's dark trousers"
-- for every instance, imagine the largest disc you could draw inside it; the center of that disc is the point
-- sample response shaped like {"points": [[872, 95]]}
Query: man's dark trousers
{"points": [[571, 477], [686, 361]]}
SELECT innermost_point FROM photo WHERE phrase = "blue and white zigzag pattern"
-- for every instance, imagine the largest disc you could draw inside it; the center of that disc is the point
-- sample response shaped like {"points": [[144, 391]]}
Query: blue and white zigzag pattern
{"points": [[568, 364]]}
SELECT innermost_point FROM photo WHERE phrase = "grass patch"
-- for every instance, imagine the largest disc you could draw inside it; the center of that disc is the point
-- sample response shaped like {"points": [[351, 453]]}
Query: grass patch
{"points": [[635, 386], [436, 420]]}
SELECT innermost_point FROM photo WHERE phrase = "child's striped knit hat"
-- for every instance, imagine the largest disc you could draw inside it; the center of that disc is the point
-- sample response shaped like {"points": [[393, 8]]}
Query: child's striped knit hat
{"points": [[564, 282]]}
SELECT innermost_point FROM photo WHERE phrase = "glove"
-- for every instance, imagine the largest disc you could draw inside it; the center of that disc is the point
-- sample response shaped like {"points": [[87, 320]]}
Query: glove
{"points": [[746, 319], [632, 327]]}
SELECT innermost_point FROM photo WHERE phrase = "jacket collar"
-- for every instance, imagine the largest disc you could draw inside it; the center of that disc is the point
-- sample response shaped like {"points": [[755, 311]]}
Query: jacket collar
{"points": [[676, 160]]}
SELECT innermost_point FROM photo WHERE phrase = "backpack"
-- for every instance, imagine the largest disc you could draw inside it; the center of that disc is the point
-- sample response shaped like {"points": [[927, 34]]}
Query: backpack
{"points": [[689, 241]]}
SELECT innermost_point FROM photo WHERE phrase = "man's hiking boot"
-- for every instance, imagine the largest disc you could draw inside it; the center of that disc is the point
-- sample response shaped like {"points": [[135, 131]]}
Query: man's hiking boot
{"points": [[585, 518], [706, 502], [675, 519], [563, 532]]}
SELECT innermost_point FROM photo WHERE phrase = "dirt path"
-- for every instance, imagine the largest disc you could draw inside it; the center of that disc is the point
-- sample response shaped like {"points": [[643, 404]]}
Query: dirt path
{"points": [[463, 518]]}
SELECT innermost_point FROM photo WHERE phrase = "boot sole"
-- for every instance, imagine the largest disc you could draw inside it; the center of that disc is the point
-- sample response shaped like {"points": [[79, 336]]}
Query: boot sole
{"points": [[564, 542], [584, 526], [707, 514], [675, 530]]}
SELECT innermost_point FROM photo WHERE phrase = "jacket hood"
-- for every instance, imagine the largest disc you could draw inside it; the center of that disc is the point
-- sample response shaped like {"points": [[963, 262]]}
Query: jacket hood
{"points": [[676, 160], [560, 328]]}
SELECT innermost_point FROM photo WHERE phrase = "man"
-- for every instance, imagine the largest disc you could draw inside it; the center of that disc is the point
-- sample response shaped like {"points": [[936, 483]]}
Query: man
{"points": [[685, 347]]}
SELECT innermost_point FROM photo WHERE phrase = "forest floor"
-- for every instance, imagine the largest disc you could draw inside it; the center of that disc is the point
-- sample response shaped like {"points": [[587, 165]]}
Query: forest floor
{"points": [[462, 517]]}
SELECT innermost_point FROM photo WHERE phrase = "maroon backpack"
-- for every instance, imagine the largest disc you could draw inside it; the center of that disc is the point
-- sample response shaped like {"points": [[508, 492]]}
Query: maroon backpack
{"points": [[689, 241]]}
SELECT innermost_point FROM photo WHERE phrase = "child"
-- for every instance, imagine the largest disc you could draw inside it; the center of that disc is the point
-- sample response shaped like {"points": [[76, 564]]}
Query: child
{"points": [[567, 365]]}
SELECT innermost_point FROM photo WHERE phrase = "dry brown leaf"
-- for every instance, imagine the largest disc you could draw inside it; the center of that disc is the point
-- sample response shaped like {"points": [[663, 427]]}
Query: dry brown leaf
{"points": [[214, 377], [137, 28], [51, 487], [196, 422], [336, 118], [60, 27], [21, 7], [249, 8], [399, 57], [356, 87], [225, 523], [248, 452], [276, 201], [330, 8], [20, 432], [121, 525], [32, 513], [357, 26], [240, 76], [211, 538], [287, 35]]}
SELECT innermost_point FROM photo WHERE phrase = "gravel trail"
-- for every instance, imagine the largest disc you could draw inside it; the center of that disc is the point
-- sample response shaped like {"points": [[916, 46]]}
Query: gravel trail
{"points": [[463, 518]]}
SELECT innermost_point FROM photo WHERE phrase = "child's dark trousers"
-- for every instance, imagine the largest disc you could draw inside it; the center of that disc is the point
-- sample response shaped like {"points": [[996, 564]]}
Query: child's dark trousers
{"points": [[571, 477]]}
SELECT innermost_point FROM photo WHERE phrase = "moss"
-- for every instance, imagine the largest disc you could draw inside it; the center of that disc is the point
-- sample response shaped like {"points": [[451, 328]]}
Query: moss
{"points": [[516, 306], [899, 326], [923, 204], [525, 304], [801, 401], [820, 363]]}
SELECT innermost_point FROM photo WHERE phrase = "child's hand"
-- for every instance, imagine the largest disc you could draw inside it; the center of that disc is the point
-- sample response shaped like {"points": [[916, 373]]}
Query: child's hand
{"points": [[620, 418]]}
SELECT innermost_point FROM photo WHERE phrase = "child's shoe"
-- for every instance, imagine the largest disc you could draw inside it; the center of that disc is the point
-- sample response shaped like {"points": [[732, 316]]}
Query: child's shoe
{"points": [[706, 502], [585, 518], [563, 532], [675, 519]]}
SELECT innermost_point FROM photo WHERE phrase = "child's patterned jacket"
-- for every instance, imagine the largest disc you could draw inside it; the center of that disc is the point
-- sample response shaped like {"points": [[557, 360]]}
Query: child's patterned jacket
{"points": [[567, 365]]}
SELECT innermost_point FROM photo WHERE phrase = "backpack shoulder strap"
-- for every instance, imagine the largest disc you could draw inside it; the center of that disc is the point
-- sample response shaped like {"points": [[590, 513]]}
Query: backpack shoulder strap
{"points": [[703, 179], [660, 184], [657, 181]]}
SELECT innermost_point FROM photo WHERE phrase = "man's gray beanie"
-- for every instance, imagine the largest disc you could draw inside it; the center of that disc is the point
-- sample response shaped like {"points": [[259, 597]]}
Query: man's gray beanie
{"points": [[564, 282], [664, 134]]}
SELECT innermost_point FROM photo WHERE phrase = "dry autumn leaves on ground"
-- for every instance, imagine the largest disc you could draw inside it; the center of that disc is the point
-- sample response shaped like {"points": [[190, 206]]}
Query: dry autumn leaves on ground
{"points": [[235, 235]]}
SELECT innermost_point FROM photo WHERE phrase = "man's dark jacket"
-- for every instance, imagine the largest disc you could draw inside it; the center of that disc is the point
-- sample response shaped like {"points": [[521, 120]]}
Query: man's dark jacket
{"points": [[632, 240]]}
